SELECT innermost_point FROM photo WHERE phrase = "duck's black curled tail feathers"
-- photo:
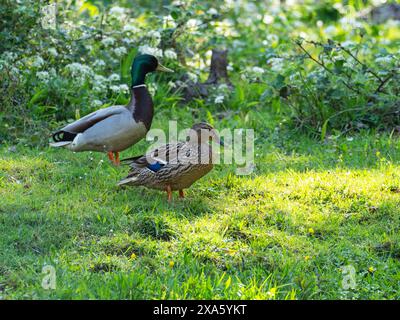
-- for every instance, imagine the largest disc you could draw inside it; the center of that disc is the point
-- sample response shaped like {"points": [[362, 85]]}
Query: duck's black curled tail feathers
{"points": [[63, 136]]}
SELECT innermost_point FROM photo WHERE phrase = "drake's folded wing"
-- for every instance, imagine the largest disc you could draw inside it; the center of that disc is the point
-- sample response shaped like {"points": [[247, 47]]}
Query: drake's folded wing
{"points": [[91, 119]]}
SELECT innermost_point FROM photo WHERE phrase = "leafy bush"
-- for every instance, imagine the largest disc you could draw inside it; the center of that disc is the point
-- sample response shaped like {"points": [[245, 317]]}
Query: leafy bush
{"points": [[55, 74], [349, 86]]}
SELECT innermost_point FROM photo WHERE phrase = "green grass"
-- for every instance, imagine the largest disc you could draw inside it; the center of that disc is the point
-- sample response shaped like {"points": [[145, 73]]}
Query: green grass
{"points": [[284, 232]]}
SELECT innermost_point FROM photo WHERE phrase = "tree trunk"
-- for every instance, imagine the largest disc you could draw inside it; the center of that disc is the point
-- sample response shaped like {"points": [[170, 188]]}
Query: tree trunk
{"points": [[218, 74], [218, 67]]}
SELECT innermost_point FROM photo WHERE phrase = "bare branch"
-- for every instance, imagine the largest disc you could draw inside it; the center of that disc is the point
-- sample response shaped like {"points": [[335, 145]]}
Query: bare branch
{"points": [[325, 67], [384, 81], [360, 62]]}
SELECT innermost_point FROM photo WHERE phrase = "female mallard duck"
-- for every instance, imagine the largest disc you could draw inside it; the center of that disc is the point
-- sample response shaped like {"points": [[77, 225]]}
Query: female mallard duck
{"points": [[115, 128], [174, 166]]}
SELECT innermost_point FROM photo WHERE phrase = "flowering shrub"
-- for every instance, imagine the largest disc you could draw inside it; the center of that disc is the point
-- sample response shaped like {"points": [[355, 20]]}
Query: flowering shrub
{"points": [[56, 73], [343, 75], [343, 86]]}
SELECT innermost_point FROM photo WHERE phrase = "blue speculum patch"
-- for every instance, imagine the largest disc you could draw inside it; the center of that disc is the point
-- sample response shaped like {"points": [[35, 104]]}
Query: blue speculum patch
{"points": [[155, 166]]}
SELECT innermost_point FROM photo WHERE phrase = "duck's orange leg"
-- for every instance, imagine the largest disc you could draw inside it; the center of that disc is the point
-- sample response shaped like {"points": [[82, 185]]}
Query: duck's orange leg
{"points": [[117, 162], [169, 193], [181, 194], [110, 156], [114, 160]]}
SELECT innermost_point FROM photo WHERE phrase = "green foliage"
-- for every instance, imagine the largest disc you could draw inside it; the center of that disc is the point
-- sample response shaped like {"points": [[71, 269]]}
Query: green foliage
{"points": [[300, 71], [48, 75], [342, 92], [284, 232]]}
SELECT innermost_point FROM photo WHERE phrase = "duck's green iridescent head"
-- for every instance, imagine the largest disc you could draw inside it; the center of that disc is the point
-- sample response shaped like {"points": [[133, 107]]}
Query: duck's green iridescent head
{"points": [[144, 64]]}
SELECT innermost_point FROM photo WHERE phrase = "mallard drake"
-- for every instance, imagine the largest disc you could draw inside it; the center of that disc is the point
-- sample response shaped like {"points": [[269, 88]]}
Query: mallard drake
{"points": [[174, 166], [115, 128]]}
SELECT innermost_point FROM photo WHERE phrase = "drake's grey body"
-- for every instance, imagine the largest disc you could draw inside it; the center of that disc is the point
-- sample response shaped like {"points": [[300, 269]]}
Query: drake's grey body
{"points": [[112, 129], [115, 128], [117, 132]]}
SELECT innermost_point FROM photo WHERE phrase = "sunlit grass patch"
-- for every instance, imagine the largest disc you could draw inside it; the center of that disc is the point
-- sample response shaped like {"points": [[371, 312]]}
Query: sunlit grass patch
{"points": [[284, 231]]}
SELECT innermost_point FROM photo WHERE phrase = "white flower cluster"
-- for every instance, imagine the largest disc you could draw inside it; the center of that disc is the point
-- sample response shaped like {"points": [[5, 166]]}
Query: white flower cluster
{"points": [[99, 83], [7, 62], [120, 51], [43, 76], [384, 60], [114, 77], [77, 69], [150, 50], [53, 52], [350, 23], [193, 23], [99, 63], [155, 36], [219, 99], [221, 94], [252, 73], [225, 28], [178, 3], [170, 54], [122, 88], [348, 44], [171, 84], [169, 22], [192, 76], [97, 103], [272, 40], [212, 11], [109, 41], [277, 64], [198, 62], [80, 72], [46, 76], [118, 13], [9, 56], [152, 87], [38, 62], [258, 70], [131, 28], [268, 19], [330, 30]]}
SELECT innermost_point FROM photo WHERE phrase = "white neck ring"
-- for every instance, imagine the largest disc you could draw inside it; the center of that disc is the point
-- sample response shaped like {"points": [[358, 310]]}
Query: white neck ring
{"points": [[140, 85]]}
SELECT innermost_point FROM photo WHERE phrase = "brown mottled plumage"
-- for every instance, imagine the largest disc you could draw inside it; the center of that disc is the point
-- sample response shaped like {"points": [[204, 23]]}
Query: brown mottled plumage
{"points": [[174, 166]]}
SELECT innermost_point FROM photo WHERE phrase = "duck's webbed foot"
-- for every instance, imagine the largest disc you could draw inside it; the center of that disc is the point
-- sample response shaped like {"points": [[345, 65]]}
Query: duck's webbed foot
{"points": [[181, 194]]}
